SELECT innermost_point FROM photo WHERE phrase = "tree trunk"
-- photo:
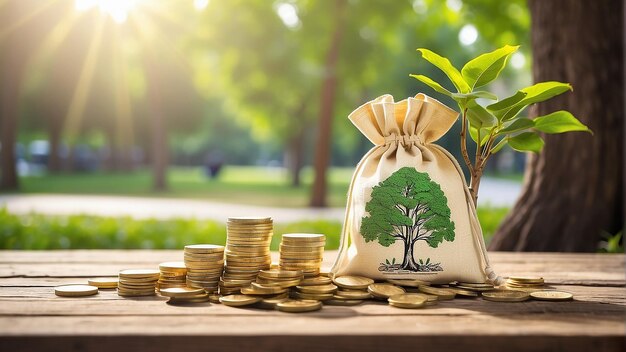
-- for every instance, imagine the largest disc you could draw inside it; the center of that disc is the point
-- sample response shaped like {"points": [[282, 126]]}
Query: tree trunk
{"points": [[54, 157], [409, 261], [573, 187], [295, 155], [158, 130], [323, 145], [11, 71]]}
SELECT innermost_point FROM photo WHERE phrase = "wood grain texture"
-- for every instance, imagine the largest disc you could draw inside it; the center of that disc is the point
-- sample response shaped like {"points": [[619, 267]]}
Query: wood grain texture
{"points": [[33, 318]]}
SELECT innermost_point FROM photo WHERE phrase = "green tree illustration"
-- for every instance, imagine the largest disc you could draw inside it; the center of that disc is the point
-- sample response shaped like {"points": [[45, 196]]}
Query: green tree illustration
{"points": [[409, 207]]}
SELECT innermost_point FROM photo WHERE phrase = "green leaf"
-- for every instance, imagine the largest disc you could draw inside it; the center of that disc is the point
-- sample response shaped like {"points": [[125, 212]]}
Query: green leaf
{"points": [[446, 67], [508, 102], [534, 94], [543, 91], [486, 67], [517, 125], [479, 117], [559, 122], [432, 84], [474, 95], [526, 142]]}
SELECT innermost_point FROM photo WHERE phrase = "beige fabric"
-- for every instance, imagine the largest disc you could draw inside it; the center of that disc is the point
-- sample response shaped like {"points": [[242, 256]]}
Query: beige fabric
{"points": [[403, 134]]}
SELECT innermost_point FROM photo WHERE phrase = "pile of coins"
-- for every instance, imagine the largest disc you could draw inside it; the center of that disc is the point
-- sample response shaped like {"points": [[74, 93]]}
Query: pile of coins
{"points": [[247, 252], [104, 282], [137, 282], [524, 283], [204, 263], [185, 295], [302, 251], [173, 274]]}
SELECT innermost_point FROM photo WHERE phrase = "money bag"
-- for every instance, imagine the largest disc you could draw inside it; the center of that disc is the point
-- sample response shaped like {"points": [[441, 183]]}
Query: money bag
{"points": [[409, 213]]}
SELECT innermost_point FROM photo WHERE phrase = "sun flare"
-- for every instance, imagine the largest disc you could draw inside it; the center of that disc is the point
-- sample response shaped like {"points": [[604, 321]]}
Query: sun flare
{"points": [[117, 9]]}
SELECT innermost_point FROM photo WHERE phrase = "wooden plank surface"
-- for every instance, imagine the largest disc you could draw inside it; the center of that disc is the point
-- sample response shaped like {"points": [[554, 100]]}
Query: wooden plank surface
{"points": [[33, 318]]}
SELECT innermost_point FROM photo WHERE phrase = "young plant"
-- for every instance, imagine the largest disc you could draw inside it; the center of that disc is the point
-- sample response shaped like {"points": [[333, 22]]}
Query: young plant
{"points": [[498, 124]]}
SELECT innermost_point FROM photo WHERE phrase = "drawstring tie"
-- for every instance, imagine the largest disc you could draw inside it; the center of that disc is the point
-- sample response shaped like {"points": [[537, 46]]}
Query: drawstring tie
{"points": [[403, 139]]}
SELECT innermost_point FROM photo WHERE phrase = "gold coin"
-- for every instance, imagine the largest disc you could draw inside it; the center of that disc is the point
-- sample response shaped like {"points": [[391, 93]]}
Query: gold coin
{"points": [[328, 288], [526, 279], [279, 274], [270, 303], [281, 283], [135, 294], [476, 289], [103, 282], [139, 273], [441, 293], [318, 280], [384, 291], [408, 282], [181, 292], [352, 294], [259, 289], [204, 248], [463, 292], [353, 282], [343, 302], [303, 237], [475, 284], [239, 300], [172, 266], [75, 290], [214, 298], [551, 295], [249, 220], [408, 300], [193, 300], [313, 296], [505, 296], [298, 306]]}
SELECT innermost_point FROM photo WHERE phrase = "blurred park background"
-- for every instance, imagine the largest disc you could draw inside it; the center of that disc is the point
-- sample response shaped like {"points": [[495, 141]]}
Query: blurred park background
{"points": [[145, 123]]}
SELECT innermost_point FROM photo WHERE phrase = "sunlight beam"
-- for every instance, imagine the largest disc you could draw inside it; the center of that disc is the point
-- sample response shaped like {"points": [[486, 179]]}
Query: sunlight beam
{"points": [[83, 87], [43, 5]]}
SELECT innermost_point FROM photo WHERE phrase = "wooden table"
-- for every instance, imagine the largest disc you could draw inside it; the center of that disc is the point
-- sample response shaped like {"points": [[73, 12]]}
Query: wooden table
{"points": [[32, 318]]}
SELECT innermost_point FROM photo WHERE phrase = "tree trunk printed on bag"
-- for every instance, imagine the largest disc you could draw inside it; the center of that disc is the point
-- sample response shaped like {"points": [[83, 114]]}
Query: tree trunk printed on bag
{"points": [[409, 207]]}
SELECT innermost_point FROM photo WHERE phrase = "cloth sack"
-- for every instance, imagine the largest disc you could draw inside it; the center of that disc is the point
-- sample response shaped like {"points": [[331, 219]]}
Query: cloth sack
{"points": [[409, 213]]}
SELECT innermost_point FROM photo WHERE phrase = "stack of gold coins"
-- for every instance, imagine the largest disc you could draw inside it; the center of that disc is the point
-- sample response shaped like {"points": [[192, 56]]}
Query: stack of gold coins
{"points": [[247, 252], [302, 251], [524, 283], [173, 274], [315, 292], [204, 263], [475, 286], [137, 282], [280, 278]]}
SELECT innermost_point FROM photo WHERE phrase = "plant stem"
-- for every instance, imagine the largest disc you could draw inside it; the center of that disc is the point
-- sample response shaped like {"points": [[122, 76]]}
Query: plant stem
{"points": [[475, 172], [466, 158]]}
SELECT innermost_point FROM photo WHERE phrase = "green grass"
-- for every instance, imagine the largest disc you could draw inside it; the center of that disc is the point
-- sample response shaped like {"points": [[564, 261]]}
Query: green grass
{"points": [[236, 184], [36, 231]]}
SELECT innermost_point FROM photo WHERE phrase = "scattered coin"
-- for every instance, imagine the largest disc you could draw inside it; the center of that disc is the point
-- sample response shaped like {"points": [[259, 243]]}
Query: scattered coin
{"points": [[103, 282], [408, 300], [343, 302], [409, 282], [328, 288], [299, 306], [352, 294], [239, 300], [506, 296], [182, 292], [353, 282], [384, 291], [75, 290], [555, 296], [441, 293]]}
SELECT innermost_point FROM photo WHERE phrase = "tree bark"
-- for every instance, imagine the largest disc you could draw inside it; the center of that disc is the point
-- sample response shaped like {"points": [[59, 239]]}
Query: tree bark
{"points": [[54, 158], [323, 145], [158, 131], [295, 155], [11, 72], [572, 191]]}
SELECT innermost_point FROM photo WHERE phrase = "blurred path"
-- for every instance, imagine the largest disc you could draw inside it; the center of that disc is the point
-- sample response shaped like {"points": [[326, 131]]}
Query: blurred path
{"points": [[493, 192]]}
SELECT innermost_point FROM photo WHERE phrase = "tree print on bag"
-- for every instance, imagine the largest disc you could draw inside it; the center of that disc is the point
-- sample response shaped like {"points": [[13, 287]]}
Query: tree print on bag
{"points": [[409, 207]]}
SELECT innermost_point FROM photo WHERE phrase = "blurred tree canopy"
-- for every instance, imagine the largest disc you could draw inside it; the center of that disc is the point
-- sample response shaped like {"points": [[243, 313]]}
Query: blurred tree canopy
{"points": [[240, 76]]}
